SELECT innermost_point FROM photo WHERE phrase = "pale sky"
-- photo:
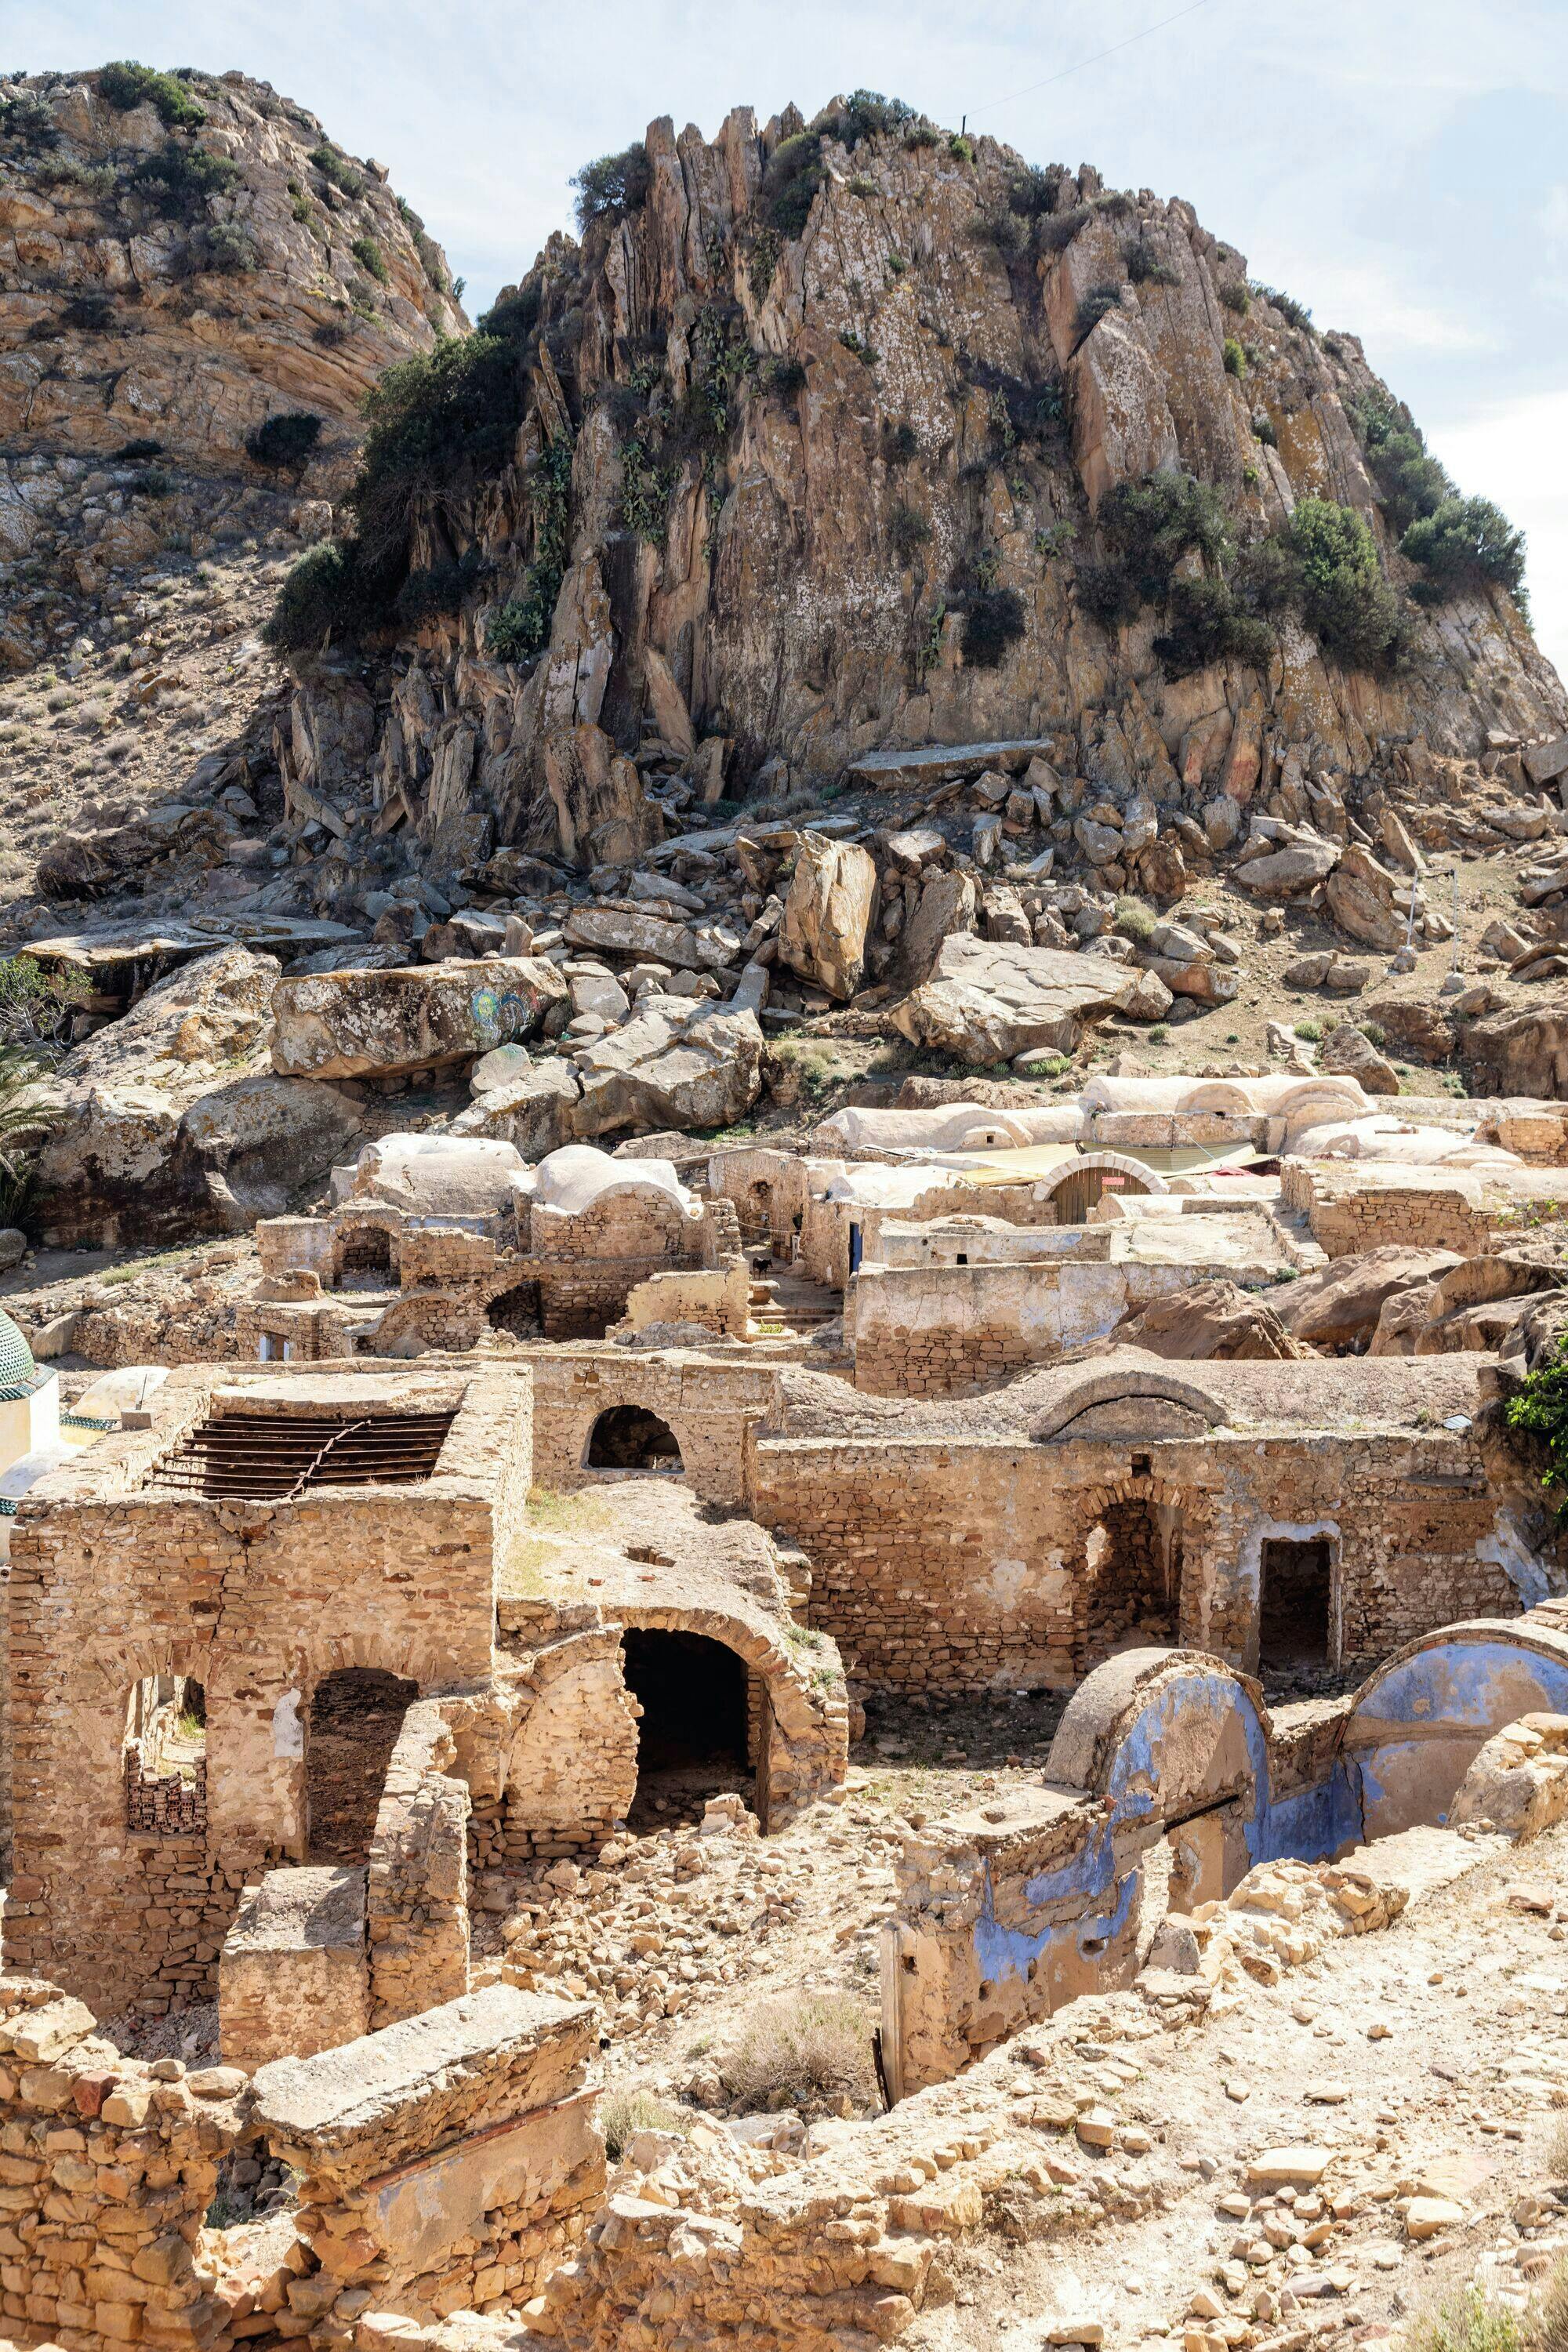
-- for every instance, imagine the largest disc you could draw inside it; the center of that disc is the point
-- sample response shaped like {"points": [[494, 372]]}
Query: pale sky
{"points": [[1399, 165]]}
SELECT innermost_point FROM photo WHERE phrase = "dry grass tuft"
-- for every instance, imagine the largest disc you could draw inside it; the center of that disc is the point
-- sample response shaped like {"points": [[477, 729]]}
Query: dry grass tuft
{"points": [[809, 2050]]}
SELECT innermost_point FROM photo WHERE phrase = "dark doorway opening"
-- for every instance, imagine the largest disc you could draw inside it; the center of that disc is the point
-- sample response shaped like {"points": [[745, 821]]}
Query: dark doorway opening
{"points": [[1295, 1586], [627, 1438], [516, 1310], [1132, 1577], [365, 1259], [355, 1717], [692, 1738]]}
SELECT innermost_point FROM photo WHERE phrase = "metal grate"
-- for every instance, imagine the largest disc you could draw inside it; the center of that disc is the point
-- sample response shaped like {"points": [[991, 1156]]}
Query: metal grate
{"points": [[274, 1457]]}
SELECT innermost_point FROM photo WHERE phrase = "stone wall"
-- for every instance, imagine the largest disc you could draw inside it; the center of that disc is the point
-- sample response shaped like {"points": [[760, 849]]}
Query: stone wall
{"points": [[114, 1580], [709, 1406], [416, 1893], [495, 2083], [1349, 1206], [110, 2166], [966, 1564], [294, 1972]]}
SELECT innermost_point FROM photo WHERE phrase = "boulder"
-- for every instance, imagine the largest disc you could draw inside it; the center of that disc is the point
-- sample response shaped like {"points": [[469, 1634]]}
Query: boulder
{"points": [[1544, 763], [1347, 1054], [1521, 1053], [216, 1011], [1288, 871], [1215, 1322], [531, 1109], [826, 913], [630, 930], [1338, 1305], [674, 1064], [95, 865], [1414, 1026], [987, 1004], [1359, 895], [131, 1166], [344, 1025], [946, 910]]}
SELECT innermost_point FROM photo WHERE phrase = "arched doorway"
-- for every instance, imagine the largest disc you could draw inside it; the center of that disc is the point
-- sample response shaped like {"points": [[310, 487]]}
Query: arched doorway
{"points": [[692, 1736], [365, 1259], [1084, 1188], [625, 1437], [516, 1310], [355, 1717], [1132, 1576]]}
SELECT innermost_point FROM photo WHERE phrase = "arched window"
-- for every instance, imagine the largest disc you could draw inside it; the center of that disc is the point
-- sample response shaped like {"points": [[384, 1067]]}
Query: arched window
{"points": [[625, 1437]]}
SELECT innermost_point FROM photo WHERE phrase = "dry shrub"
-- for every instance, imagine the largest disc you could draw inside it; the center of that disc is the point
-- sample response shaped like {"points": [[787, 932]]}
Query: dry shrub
{"points": [[1546, 2325], [809, 2050], [1465, 2322], [624, 2114]]}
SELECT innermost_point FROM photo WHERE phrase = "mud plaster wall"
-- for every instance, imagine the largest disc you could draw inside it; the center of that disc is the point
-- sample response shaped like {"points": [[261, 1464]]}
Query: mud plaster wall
{"points": [[997, 1927], [965, 1566]]}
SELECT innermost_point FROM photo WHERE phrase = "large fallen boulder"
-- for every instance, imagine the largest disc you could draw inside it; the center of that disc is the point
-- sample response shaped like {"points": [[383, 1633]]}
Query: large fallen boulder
{"points": [[1349, 1053], [348, 1024], [826, 914], [674, 1064], [947, 907], [533, 1110], [1290, 871], [216, 1010], [1338, 1305], [133, 1166], [1361, 895], [1520, 1053], [1215, 1322], [985, 1002]]}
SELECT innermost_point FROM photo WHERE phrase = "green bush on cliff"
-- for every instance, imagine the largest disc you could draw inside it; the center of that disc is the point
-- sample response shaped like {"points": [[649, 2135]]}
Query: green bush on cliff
{"points": [[1345, 601], [438, 423], [126, 85], [178, 181], [612, 185], [1463, 543]]}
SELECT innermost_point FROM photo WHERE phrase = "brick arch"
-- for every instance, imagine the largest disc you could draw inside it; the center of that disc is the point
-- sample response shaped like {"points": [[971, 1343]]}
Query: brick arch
{"points": [[810, 1750], [1123, 1387]]}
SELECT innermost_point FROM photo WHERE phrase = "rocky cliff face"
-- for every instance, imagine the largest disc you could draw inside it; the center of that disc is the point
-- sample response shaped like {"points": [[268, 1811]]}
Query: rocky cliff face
{"points": [[183, 258], [832, 438]]}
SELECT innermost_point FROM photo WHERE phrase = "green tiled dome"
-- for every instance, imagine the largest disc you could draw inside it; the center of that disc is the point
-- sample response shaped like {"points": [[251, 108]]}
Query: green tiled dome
{"points": [[19, 1373]]}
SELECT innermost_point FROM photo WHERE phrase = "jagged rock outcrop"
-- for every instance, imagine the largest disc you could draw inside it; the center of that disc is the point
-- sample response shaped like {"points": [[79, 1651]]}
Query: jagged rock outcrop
{"points": [[182, 258], [815, 443]]}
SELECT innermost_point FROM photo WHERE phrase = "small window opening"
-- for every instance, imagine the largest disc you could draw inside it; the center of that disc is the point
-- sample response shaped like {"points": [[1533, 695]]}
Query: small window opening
{"points": [[166, 1758]]}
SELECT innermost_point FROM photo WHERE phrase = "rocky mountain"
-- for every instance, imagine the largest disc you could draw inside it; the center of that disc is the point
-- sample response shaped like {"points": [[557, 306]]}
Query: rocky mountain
{"points": [[833, 436], [197, 290]]}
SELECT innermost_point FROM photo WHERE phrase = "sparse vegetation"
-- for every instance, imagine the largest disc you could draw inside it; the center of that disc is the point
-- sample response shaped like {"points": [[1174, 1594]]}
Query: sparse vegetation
{"points": [[1541, 1410], [612, 185], [908, 531], [1094, 306], [1295, 313], [807, 2050], [1147, 266], [624, 2114], [1235, 297], [224, 249], [335, 167], [791, 182], [993, 621], [1134, 921], [178, 182], [371, 258], [1235, 357], [126, 85], [285, 440]]}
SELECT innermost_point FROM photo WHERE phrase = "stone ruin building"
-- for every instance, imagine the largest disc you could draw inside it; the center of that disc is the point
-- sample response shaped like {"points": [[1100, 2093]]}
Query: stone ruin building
{"points": [[300, 1679]]}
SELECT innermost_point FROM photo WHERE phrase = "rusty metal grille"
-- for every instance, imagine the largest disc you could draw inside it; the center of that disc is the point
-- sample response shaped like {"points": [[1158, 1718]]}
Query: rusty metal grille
{"points": [[275, 1457]]}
